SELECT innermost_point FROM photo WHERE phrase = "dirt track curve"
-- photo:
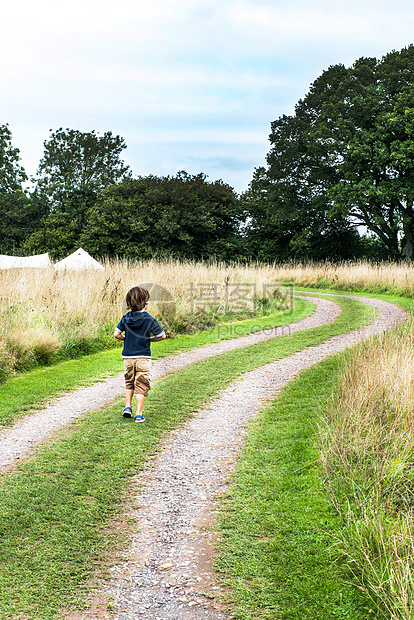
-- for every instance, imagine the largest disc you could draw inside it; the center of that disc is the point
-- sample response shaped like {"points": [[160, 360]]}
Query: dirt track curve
{"points": [[168, 573], [17, 442]]}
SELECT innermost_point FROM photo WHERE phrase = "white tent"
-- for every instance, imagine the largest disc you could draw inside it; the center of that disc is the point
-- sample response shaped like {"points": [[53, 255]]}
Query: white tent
{"points": [[41, 261], [77, 261]]}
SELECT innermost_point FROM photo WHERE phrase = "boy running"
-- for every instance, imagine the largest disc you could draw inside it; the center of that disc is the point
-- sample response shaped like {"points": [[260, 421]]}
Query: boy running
{"points": [[135, 329]]}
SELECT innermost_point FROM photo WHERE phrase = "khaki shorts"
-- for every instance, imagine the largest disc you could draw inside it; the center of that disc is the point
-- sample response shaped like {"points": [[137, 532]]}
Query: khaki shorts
{"points": [[137, 374]]}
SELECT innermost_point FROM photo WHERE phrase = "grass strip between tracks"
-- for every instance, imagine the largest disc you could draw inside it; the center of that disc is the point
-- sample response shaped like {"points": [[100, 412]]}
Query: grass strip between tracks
{"points": [[56, 509], [276, 552], [33, 388], [277, 526]]}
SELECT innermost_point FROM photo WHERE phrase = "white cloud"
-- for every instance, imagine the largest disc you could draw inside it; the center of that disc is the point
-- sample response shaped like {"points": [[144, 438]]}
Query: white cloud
{"points": [[54, 17], [277, 24], [204, 136], [167, 74]]}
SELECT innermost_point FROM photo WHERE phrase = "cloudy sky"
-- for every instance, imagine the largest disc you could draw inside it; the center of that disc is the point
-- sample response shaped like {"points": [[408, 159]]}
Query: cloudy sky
{"points": [[190, 84]]}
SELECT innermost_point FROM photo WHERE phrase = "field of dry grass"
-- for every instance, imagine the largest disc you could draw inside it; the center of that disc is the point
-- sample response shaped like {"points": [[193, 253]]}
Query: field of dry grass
{"points": [[368, 455], [386, 277], [46, 311]]}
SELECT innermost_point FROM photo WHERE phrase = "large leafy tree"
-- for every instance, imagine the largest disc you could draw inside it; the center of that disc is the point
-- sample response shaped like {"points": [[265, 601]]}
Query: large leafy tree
{"points": [[76, 166], [344, 158], [183, 216], [58, 234], [17, 215]]}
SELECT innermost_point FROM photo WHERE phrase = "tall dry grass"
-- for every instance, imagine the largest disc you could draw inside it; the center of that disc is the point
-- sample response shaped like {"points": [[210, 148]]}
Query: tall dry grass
{"points": [[385, 277], [367, 448], [46, 311]]}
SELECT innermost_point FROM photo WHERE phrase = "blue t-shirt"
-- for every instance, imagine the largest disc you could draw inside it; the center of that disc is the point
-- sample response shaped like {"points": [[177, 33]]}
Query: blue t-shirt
{"points": [[138, 327]]}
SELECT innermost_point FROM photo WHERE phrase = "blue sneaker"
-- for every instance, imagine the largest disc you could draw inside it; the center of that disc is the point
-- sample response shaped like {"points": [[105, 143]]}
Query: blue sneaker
{"points": [[127, 412], [139, 418]]}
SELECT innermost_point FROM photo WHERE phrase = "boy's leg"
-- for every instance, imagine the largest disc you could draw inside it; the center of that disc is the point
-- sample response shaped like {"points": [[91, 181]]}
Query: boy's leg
{"points": [[128, 397], [140, 403], [142, 384], [129, 387]]}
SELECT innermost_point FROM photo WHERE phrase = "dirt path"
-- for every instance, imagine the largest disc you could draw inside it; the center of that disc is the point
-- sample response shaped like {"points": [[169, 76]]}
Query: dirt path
{"points": [[17, 441], [168, 574]]}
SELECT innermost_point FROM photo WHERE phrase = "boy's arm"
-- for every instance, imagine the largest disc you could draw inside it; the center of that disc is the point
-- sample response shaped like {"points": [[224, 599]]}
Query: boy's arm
{"points": [[157, 338], [119, 329], [119, 335], [156, 327]]}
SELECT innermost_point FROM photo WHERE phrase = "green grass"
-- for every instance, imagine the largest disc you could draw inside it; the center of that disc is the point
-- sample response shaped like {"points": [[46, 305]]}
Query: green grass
{"points": [[56, 508], [33, 388], [277, 525]]}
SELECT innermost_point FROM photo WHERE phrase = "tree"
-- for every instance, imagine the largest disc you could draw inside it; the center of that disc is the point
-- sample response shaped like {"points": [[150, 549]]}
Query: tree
{"points": [[12, 175], [17, 215], [182, 216], [347, 154], [286, 203], [58, 235], [376, 141], [75, 167]]}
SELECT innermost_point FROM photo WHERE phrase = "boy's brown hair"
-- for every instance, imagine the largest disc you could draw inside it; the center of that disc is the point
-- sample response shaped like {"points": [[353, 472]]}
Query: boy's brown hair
{"points": [[137, 298]]}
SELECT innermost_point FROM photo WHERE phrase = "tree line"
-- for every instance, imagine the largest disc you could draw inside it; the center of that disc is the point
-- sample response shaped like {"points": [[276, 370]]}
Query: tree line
{"points": [[344, 160], [85, 195]]}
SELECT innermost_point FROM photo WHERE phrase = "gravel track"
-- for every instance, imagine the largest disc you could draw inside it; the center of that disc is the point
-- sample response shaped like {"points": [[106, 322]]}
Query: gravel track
{"points": [[33, 429], [168, 573]]}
